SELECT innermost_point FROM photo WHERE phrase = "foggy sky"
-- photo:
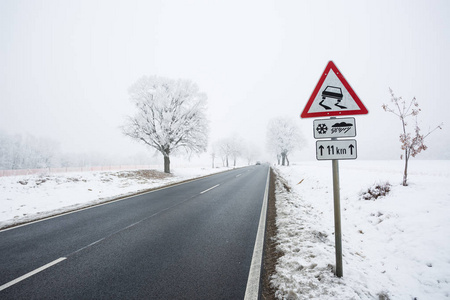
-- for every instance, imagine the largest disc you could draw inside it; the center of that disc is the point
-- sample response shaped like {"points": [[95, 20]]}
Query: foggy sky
{"points": [[66, 66]]}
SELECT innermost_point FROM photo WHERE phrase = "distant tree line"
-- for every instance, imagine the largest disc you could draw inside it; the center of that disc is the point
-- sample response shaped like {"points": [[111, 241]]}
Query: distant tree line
{"points": [[29, 152], [231, 148], [26, 152]]}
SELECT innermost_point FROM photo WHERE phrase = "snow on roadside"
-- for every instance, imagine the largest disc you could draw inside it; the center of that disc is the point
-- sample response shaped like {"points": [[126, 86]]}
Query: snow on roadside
{"points": [[394, 247], [29, 197]]}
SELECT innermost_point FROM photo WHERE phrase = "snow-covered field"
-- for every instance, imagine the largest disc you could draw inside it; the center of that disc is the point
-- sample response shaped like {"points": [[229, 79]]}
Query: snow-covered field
{"points": [[29, 197], [394, 247]]}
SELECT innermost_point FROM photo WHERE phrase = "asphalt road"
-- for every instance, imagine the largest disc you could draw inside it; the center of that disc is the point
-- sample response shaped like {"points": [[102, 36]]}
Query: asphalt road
{"points": [[190, 241]]}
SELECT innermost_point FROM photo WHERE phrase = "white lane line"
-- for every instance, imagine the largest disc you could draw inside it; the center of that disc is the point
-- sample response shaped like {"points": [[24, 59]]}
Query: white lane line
{"points": [[238, 175], [17, 280], [252, 289], [138, 222], [130, 226], [210, 189], [85, 247]]}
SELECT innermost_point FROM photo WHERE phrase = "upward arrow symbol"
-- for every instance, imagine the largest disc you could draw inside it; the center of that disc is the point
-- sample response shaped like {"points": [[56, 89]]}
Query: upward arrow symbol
{"points": [[351, 149], [321, 150]]}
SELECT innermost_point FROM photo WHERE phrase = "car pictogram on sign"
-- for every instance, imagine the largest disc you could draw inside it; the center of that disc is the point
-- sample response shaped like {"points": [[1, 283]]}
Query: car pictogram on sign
{"points": [[333, 92]]}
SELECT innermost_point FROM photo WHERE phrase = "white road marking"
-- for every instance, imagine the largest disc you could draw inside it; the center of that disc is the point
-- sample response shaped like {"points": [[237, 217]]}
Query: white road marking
{"points": [[210, 189], [17, 280], [252, 289], [85, 247], [238, 175]]}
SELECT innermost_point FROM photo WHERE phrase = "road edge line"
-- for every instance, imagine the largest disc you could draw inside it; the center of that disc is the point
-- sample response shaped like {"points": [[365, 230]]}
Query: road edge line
{"points": [[254, 276]]}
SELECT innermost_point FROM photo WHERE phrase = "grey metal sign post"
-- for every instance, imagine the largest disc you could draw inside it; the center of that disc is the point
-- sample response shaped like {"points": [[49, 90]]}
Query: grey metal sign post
{"points": [[332, 97], [337, 217], [335, 150]]}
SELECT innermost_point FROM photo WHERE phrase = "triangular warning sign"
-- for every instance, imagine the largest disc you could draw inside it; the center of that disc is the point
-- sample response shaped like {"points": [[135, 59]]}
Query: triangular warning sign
{"points": [[333, 96]]}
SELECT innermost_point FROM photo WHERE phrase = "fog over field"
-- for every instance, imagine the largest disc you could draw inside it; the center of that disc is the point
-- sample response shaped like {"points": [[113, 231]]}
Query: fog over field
{"points": [[66, 66]]}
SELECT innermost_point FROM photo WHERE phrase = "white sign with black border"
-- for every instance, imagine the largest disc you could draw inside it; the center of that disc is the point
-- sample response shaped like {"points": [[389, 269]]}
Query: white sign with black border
{"points": [[334, 128], [338, 149]]}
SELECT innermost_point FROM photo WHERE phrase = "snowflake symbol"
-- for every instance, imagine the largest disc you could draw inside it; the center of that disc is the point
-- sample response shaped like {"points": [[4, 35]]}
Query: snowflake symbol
{"points": [[322, 128]]}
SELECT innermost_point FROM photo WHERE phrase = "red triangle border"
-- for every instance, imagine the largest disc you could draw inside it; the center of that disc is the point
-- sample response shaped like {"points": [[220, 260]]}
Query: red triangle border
{"points": [[331, 66]]}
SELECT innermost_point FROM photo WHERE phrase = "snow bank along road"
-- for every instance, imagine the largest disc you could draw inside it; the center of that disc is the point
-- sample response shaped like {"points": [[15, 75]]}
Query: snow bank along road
{"points": [[190, 241]]}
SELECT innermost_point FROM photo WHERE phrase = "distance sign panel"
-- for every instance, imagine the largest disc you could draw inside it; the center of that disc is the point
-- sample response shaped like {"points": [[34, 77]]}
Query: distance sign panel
{"points": [[339, 149], [334, 128]]}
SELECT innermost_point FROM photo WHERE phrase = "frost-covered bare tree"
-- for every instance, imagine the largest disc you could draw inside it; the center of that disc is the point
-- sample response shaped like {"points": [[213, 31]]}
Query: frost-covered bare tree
{"points": [[229, 148], [283, 137], [411, 143], [213, 154], [251, 152], [237, 147], [223, 149], [170, 116]]}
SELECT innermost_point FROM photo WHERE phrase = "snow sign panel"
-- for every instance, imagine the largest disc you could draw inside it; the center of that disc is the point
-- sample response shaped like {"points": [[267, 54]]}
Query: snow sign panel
{"points": [[335, 149], [333, 96], [334, 128]]}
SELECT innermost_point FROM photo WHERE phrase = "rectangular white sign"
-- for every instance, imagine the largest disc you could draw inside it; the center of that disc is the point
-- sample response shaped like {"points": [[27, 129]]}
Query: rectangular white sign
{"points": [[339, 149], [334, 128]]}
